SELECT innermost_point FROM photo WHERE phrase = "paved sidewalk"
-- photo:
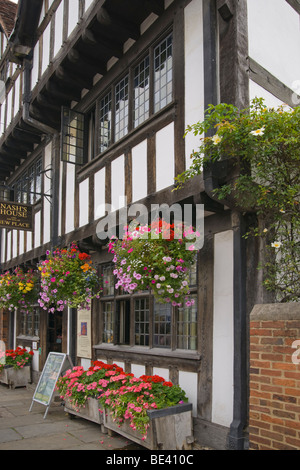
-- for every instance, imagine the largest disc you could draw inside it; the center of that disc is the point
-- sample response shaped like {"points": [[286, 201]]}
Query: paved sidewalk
{"points": [[24, 430]]}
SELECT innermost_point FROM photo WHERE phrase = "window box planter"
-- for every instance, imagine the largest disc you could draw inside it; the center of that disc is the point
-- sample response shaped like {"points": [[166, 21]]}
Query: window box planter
{"points": [[16, 377], [89, 411], [170, 428]]}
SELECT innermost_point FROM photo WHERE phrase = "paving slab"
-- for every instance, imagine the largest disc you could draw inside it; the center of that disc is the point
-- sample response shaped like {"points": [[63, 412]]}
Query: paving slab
{"points": [[21, 429]]}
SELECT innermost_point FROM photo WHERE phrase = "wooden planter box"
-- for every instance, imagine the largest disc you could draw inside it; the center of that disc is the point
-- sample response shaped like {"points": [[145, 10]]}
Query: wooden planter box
{"points": [[170, 428], [16, 377], [90, 411]]}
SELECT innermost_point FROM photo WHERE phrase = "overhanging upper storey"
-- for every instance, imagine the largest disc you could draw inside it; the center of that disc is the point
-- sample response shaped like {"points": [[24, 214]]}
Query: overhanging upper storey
{"points": [[57, 56]]}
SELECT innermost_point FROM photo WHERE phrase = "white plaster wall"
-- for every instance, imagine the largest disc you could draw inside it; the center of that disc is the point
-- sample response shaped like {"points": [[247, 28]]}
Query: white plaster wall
{"points": [[47, 190], [17, 96], [8, 249], [139, 171], [137, 370], [256, 91], [15, 243], [162, 372], [84, 202], [117, 183], [120, 364], [274, 38], [46, 48], [85, 363], [88, 4], [3, 245], [73, 15], [8, 108], [35, 66], [29, 241], [165, 165], [188, 381], [21, 242], [70, 187], [35, 360], [99, 194], [59, 21], [193, 72], [37, 229], [222, 375]]}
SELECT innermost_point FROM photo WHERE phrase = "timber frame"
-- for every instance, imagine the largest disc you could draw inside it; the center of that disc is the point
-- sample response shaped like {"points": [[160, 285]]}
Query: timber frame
{"points": [[110, 38]]}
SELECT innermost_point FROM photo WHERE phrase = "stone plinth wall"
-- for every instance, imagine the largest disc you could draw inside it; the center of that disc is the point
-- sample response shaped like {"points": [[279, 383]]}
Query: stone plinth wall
{"points": [[274, 383]]}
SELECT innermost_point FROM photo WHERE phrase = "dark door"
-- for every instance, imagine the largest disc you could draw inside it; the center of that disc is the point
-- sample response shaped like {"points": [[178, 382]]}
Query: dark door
{"points": [[54, 332]]}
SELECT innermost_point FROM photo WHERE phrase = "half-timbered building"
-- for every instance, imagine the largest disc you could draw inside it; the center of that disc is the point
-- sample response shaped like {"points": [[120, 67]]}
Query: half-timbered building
{"points": [[96, 98]]}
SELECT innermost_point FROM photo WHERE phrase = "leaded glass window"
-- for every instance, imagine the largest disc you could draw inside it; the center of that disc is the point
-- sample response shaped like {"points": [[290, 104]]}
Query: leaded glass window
{"points": [[121, 108], [163, 74], [141, 91], [141, 316]]}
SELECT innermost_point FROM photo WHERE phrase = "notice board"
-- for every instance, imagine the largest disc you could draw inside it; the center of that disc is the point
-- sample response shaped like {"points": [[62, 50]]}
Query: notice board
{"points": [[84, 337], [56, 364]]}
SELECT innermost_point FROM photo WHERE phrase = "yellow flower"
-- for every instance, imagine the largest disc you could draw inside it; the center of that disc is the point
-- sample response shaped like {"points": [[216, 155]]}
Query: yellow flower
{"points": [[258, 131], [276, 245], [216, 139]]}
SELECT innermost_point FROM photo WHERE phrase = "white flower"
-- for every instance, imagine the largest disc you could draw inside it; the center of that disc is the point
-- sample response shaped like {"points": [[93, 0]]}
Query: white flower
{"points": [[276, 245], [258, 131], [216, 139]]}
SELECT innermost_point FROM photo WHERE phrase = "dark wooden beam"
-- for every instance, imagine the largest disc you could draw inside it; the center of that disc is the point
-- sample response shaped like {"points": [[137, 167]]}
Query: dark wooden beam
{"points": [[45, 116], [18, 145], [13, 155], [63, 92], [7, 156], [155, 6], [123, 26], [90, 66], [25, 135], [109, 47], [4, 165], [53, 104], [74, 79]]}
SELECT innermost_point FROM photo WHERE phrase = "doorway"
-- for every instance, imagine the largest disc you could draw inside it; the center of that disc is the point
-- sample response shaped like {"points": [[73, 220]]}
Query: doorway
{"points": [[54, 332]]}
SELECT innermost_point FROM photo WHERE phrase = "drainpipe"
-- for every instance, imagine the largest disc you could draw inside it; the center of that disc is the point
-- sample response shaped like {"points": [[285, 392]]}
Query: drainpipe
{"points": [[236, 436], [47, 130]]}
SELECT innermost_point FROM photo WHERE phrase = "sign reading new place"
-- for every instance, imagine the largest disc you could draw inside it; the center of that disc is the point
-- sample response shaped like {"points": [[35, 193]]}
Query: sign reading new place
{"points": [[16, 216]]}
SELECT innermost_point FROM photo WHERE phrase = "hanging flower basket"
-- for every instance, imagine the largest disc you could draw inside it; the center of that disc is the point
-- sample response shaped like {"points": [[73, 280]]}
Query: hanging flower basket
{"points": [[157, 257], [67, 279], [18, 290]]}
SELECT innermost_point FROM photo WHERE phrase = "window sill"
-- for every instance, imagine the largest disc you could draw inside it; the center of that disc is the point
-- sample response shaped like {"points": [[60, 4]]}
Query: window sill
{"points": [[29, 338], [146, 351]]}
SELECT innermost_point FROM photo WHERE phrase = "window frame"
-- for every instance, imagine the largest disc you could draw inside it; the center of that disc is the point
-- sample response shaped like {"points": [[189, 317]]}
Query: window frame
{"points": [[24, 192], [118, 297], [102, 148]]}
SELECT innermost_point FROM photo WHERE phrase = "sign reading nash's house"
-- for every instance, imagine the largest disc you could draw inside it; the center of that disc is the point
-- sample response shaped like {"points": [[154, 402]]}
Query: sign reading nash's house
{"points": [[16, 216]]}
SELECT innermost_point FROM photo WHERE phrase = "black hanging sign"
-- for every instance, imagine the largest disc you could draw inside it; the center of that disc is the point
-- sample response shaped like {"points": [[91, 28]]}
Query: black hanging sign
{"points": [[16, 216]]}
